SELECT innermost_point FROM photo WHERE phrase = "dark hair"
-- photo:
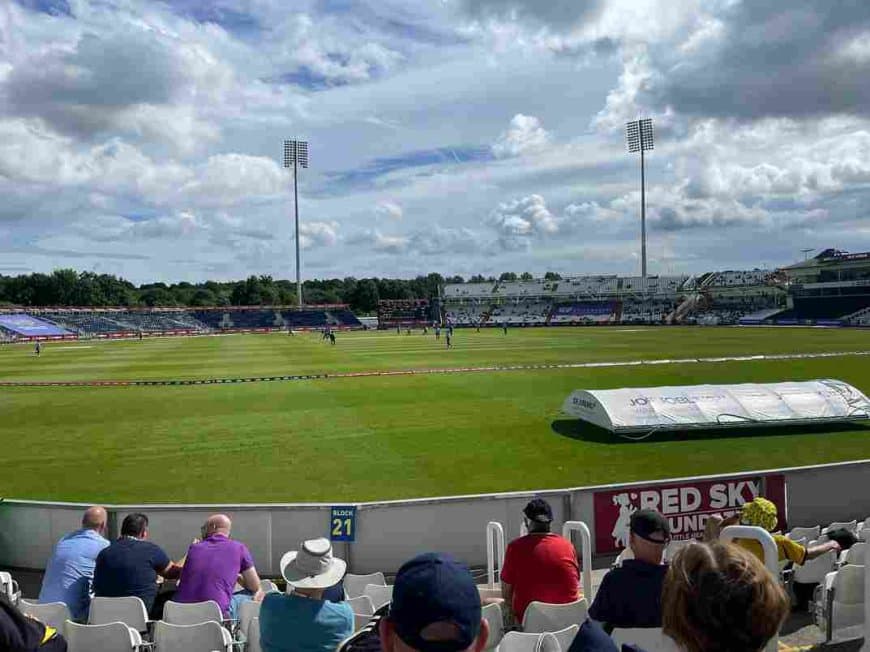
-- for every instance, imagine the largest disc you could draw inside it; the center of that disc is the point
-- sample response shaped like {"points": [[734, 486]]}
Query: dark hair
{"points": [[134, 525], [720, 598]]}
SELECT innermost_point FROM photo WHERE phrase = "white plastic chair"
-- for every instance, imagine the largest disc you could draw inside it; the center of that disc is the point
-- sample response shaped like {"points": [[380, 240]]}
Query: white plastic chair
{"points": [[54, 614], [814, 570], [674, 547], [864, 529], [355, 585], [111, 637], [522, 642], [544, 617], [254, 636], [128, 610], [192, 613], [202, 637], [268, 586], [566, 636], [248, 610], [649, 639], [495, 619], [846, 616], [380, 595], [10, 587], [852, 526], [854, 555], [360, 621], [808, 533], [489, 593], [362, 605]]}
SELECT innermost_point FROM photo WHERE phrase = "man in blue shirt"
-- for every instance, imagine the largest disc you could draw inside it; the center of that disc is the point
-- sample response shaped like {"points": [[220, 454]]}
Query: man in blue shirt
{"points": [[130, 565], [70, 570], [303, 621]]}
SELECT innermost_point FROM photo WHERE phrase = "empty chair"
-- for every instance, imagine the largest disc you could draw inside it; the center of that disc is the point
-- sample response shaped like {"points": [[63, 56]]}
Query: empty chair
{"points": [[649, 639], [808, 533], [355, 585], [254, 636], [852, 526], [248, 610], [54, 614], [203, 637], [380, 595], [362, 605], [360, 621], [268, 586], [489, 593], [111, 637], [522, 642], [846, 617], [813, 571], [128, 610], [10, 587], [495, 619], [545, 617], [566, 636], [181, 613], [854, 555]]}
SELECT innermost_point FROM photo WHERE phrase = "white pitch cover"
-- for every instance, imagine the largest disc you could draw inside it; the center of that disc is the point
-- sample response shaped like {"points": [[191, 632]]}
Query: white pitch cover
{"points": [[716, 406]]}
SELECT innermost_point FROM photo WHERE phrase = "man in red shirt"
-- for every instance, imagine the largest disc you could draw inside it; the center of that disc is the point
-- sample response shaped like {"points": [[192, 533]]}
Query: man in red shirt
{"points": [[540, 566]]}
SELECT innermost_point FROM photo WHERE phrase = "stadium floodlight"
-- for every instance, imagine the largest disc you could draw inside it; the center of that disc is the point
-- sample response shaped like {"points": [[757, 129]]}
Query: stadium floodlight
{"points": [[639, 137], [296, 156]]}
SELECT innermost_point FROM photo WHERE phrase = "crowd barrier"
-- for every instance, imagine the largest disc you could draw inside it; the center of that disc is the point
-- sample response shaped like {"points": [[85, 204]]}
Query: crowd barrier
{"points": [[387, 533]]}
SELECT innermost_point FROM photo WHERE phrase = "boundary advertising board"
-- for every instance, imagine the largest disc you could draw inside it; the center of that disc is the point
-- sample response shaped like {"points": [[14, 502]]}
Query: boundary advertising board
{"points": [[686, 505]]}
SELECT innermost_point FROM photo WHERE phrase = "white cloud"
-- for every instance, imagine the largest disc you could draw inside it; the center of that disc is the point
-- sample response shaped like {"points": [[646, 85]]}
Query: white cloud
{"points": [[524, 135], [317, 234], [389, 209]]}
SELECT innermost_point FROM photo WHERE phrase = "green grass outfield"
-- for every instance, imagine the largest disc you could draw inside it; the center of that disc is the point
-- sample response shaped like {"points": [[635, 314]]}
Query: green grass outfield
{"points": [[380, 437]]}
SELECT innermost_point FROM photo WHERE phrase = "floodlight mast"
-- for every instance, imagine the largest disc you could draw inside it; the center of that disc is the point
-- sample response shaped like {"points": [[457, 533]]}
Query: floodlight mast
{"points": [[639, 136], [295, 156]]}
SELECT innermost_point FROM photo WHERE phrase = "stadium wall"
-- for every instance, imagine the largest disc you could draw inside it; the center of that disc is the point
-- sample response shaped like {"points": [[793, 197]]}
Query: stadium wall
{"points": [[388, 533]]}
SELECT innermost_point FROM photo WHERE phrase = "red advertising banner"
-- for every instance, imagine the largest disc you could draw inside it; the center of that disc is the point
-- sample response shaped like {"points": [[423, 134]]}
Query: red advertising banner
{"points": [[687, 506]]}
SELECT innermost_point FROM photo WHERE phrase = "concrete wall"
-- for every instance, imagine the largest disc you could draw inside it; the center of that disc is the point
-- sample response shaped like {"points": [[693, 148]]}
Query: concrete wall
{"points": [[388, 533]]}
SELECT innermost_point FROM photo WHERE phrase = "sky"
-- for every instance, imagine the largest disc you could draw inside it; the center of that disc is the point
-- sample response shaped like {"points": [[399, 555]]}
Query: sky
{"points": [[143, 138]]}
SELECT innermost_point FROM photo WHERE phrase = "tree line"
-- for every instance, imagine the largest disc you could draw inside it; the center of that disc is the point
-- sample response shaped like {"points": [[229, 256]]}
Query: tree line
{"points": [[67, 287]]}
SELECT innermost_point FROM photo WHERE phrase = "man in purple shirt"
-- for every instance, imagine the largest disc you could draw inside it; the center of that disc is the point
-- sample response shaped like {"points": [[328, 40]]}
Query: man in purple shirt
{"points": [[214, 564]]}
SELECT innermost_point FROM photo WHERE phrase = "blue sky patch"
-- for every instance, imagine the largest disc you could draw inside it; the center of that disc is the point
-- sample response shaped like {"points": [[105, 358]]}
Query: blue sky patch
{"points": [[50, 7]]}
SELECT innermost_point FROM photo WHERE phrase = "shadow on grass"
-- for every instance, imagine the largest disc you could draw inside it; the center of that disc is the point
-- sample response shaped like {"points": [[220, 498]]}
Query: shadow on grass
{"points": [[581, 430]]}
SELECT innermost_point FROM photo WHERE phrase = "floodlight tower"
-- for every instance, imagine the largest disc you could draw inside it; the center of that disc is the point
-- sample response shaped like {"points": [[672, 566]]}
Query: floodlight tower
{"points": [[296, 156], [639, 135]]}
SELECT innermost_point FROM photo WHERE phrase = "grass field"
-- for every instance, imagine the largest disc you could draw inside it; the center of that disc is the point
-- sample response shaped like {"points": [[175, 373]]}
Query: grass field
{"points": [[379, 437]]}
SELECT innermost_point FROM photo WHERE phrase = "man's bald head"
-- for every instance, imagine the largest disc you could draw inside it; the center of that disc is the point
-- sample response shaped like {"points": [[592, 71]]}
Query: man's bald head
{"points": [[218, 524], [95, 518]]}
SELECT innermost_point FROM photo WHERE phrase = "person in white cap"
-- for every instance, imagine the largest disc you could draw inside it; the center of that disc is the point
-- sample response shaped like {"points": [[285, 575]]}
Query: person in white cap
{"points": [[303, 621]]}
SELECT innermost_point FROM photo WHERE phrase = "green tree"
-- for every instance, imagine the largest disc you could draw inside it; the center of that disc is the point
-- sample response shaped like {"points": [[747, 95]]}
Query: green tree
{"points": [[526, 276]]}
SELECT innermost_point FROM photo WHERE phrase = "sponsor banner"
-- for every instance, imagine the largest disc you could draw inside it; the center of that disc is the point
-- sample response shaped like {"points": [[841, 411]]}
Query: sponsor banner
{"points": [[29, 326], [687, 506]]}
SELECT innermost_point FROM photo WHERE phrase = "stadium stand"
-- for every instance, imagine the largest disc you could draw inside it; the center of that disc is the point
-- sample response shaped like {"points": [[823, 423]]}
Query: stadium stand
{"points": [[403, 312]]}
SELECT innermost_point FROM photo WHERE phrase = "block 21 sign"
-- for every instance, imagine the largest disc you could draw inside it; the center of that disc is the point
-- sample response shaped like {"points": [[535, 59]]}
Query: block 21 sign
{"points": [[342, 523]]}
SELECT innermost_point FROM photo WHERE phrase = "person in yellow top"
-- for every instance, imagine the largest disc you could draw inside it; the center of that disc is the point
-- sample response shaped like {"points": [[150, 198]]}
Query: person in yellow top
{"points": [[762, 513]]}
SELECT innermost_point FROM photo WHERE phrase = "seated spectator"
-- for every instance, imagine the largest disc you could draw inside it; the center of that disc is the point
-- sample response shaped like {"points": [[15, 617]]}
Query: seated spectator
{"points": [[720, 598], [304, 621], [762, 513], [539, 566], [70, 570], [631, 595], [20, 633], [212, 566], [131, 564]]}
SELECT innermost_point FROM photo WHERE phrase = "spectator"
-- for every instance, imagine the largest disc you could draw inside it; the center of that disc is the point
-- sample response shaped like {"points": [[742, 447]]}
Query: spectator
{"points": [[70, 570], [212, 566], [762, 513], [304, 621], [131, 564], [720, 598], [539, 566], [631, 595], [435, 608], [20, 633]]}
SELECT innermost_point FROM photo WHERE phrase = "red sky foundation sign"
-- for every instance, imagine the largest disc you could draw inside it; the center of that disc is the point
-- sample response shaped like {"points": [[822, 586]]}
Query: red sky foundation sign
{"points": [[687, 506]]}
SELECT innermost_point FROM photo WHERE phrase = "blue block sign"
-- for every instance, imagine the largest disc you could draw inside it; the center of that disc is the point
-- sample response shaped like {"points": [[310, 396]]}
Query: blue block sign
{"points": [[342, 524]]}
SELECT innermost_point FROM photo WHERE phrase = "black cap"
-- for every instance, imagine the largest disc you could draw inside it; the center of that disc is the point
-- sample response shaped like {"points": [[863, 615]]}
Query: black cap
{"points": [[646, 522], [538, 510]]}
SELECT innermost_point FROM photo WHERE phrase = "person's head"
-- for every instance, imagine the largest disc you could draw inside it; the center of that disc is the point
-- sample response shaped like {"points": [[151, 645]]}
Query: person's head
{"points": [[95, 518], [135, 525], [649, 533], [217, 524], [719, 598], [537, 515], [759, 513], [312, 568], [435, 608]]}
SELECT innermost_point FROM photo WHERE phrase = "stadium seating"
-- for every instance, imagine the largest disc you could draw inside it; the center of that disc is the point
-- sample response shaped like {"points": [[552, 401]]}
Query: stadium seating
{"points": [[494, 617], [201, 637], [54, 614], [543, 617], [355, 585], [180, 613], [248, 612], [380, 595], [111, 637], [128, 610], [522, 642], [10, 587], [362, 605], [253, 636], [842, 618]]}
